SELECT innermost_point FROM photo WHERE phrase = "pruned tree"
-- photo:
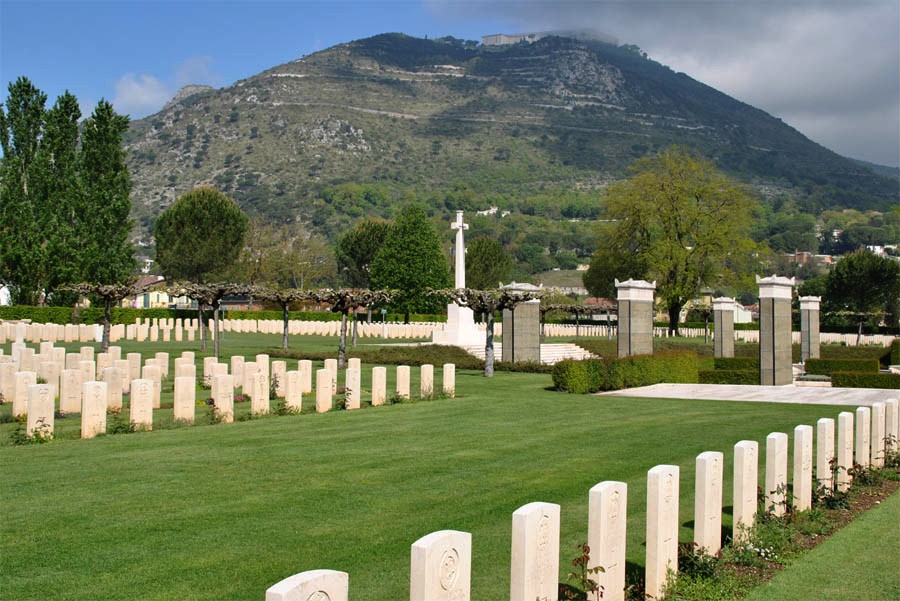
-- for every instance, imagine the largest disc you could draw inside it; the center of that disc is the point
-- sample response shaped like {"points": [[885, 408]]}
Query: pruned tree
{"points": [[208, 295], [284, 298], [488, 302], [863, 286], [345, 300], [111, 295]]}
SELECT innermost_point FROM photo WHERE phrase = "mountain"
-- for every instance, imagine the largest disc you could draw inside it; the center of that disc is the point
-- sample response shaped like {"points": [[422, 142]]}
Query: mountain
{"points": [[885, 170], [450, 119]]}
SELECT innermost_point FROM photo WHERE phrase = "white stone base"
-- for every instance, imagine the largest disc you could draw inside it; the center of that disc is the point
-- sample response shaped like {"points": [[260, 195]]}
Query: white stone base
{"points": [[460, 329]]}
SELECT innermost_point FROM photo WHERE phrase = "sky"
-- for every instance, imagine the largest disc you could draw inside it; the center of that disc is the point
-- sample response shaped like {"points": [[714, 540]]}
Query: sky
{"points": [[829, 68]]}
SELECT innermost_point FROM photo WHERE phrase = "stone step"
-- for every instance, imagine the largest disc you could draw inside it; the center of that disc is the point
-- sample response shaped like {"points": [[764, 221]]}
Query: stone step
{"points": [[550, 353]]}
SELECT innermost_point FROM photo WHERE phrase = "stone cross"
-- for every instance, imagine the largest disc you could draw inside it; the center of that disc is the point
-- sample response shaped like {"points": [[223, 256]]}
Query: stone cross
{"points": [[460, 250]]}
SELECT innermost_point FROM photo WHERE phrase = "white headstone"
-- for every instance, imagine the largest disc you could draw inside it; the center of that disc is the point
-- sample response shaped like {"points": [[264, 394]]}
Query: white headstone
{"points": [[403, 381], [441, 567], [314, 585], [222, 393], [259, 393], [607, 505], [279, 368], [40, 408], [379, 386], [323, 390], [426, 381], [353, 383], [293, 398], [93, 409], [824, 452], [534, 573], [305, 368], [776, 473], [449, 380], [863, 426], [844, 450], [746, 478], [184, 398], [708, 502], [803, 472], [662, 527], [877, 434], [142, 403]]}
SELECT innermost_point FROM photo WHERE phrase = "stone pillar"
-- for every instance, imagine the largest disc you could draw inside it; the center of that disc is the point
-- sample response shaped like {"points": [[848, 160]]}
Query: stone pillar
{"points": [[223, 396], [662, 528], [39, 407], [352, 377], [708, 502], [803, 460], [323, 390], [142, 404], [313, 585], [379, 386], [775, 362], [809, 327], [877, 434], [746, 480], [93, 409], [441, 567], [607, 504], [449, 380], [776, 473], [184, 398], [723, 325], [403, 381], [426, 381], [534, 571], [824, 452], [863, 425], [844, 450], [635, 298], [522, 328]]}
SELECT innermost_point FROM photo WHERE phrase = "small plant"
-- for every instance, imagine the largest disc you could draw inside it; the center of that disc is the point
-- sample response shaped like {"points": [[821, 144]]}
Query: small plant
{"points": [[694, 561], [212, 415], [584, 587], [281, 408], [42, 432], [273, 388], [118, 423], [830, 497], [241, 398], [891, 451], [865, 476]]}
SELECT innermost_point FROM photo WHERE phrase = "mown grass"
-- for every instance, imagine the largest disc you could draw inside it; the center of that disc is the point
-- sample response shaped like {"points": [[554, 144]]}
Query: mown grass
{"points": [[222, 512]]}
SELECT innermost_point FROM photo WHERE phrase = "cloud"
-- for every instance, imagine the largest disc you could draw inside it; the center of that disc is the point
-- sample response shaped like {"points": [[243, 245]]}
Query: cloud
{"points": [[829, 68], [139, 95]]}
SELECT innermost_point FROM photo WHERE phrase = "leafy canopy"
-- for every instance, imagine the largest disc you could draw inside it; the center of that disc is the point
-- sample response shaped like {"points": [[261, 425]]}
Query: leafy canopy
{"points": [[864, 285], [487, 263]]}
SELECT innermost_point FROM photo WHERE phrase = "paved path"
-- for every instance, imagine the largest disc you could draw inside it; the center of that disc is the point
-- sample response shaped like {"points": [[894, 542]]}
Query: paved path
{"points": [[762, 394]]}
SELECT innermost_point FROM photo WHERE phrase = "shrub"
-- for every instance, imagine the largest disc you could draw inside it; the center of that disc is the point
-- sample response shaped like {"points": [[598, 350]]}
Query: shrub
{"points": [[737, 363], [571, 376], [729, 376], [856, 379], [894, 355], [825, 367], [592, 375]]}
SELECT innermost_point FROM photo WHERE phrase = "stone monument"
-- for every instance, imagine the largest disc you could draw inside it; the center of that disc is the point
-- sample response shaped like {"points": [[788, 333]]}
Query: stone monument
{"points": [[809, 327], [775, 364], [723, 324], [635, 298], [522, 328], [460, 329]]}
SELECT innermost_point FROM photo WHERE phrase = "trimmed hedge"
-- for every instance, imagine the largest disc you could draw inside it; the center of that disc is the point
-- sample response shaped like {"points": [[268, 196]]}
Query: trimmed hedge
{"points": [[825, 367], [593, 375], [895, 352], [737, 363], [729, 376], [856, 379]]}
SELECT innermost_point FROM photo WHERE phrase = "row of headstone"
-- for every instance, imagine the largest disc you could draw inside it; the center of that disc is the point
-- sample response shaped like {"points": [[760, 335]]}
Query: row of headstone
{"points": [[440, 563]]}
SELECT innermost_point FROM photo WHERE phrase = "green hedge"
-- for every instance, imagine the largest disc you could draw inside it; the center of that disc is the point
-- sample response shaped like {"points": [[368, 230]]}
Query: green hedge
{"points": [[825, 367], [37, 314], [737, 363], [895, 352], [729, 376], [856, 379], [593, 375]]}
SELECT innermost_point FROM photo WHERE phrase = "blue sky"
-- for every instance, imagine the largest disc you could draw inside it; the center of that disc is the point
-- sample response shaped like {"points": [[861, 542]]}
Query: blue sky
{"points": [[829, 68]]}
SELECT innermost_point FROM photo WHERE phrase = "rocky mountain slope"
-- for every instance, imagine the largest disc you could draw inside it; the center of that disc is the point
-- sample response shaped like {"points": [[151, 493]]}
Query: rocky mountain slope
{"points": [[448, 114]]}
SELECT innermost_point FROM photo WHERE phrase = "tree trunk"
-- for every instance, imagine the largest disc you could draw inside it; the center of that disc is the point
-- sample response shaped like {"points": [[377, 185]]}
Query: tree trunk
{"points": [[284, 318], [674, 314], [489, 346], [406, 317], [859, 332], [342, 345], [216, 328], [355, 331], [577, 325], [200, 323], [107, 321]]}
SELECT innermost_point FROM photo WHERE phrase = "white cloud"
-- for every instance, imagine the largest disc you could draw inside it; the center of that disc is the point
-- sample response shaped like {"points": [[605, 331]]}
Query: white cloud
{"points": [[139, 95]]}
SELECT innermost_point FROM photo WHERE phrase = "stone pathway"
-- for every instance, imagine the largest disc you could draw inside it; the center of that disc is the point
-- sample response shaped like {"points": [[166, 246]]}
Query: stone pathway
{"points": [[853, 397]]}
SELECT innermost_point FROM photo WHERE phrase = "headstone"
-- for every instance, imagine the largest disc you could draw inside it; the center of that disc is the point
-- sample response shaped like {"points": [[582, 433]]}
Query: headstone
{"points": [[426, 381], [379, 386], [293, 398], [332, 367], [723, 327], [87, 353], [190, 356], [323, 390], [662, 527], [279, 368], [775, 361], [803, 460], [222, 393], [304, 366], [607, 505], [353, 383], [449, 380], [534, 561], [809, 327], [7, 385], [39, 408], [113, 379], [208, 363], [844, 450], [708, 502], [184, 398], [250, 368], [262, 364], [776, 473], [70, 383], [134, 366], [863, 431], [441, 567], [152, 372], [892, 425], [124, 368], [259, 393], [314, 585], [93, 409], [824, 452], [403, 381], [877, 434], [219, 369], [162, 359], [115, 353], [635, 299], [522, 328], [184, 369], [72, 360], [104, 360], [50, 371], [354, 363], [142, 404], [88, 371], [746, 479], [237, 369]]}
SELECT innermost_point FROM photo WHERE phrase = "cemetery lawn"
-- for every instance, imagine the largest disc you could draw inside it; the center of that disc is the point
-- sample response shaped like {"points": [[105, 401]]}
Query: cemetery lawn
{"points": [[223, 512]]}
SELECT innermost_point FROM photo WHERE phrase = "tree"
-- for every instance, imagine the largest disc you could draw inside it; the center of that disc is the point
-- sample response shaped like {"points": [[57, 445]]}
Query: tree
{"points": [[676, 220], [357, 248], [344, 301], [198, 238], [209, 295], [283, 256], [488, 302], [284, 298], [864, 286], [110, 294], [487, 263], [411, 262]]}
